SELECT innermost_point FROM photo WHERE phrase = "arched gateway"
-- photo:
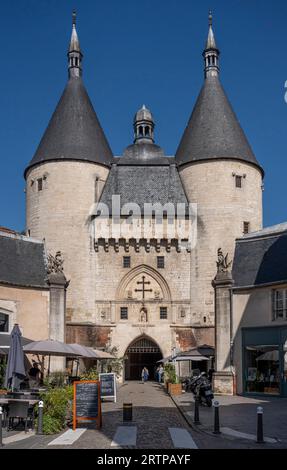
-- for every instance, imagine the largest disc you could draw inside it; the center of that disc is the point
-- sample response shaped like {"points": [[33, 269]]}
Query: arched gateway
{"points": [[141, 352]]}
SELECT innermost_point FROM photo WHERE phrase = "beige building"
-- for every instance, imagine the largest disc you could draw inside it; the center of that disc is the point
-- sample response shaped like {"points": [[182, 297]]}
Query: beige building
{"points": [[32, 293]]}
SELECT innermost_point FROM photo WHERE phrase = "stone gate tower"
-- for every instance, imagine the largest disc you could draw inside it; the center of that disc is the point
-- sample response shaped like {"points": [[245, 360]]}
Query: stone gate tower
{"points": [[65, 178], [220, 173]]}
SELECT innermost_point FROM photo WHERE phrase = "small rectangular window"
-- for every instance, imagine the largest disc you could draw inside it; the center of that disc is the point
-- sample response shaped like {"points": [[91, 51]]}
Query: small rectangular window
{"points": [[160, 262], [40, 184], [4, 323], [163, 313], [280, 304], [238, 181], [246, 227], [124, 313], [126, 261]]}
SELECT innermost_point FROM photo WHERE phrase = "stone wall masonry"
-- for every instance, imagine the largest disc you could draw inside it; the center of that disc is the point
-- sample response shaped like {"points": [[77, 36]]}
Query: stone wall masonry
{"points": [[60, 214], [222, 208]]}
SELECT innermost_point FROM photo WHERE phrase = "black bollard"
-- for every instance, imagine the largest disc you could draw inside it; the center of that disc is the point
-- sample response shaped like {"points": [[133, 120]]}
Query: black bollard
{"points": [[1, 424], [216, 418], [127, 412], [196, 410], [40, 417], [260, 438]]}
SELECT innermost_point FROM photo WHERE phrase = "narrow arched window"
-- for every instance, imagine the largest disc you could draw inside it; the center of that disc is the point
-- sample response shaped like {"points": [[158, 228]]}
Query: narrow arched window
{"points": [[147, 133]]}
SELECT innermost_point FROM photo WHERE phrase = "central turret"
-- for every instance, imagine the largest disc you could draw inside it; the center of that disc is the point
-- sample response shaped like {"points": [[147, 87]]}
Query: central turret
{"points": [[144, 126]]}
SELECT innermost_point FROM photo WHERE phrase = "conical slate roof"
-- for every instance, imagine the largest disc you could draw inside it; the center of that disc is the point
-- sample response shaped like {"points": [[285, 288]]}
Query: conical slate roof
{"points": [[74, 131], [213, 131]]}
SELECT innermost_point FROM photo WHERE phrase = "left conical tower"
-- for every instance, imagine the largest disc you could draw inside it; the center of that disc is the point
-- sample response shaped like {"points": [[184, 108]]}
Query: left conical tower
{"points": [[66, 176]]}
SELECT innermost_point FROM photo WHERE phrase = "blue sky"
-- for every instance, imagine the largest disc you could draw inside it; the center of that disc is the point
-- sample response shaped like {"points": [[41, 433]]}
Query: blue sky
{"points": [[137, 52]]}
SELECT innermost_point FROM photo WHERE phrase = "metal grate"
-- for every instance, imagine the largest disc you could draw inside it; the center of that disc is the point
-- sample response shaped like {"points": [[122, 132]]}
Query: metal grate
{"points": [[144, 345]]}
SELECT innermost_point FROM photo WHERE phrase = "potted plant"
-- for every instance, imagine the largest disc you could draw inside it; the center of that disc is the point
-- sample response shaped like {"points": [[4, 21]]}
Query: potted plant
{"points": [[174, 387]]}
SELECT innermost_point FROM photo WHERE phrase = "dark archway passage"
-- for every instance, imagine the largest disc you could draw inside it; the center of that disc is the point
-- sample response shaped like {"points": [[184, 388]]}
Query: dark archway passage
{"points": [[142, 352]]}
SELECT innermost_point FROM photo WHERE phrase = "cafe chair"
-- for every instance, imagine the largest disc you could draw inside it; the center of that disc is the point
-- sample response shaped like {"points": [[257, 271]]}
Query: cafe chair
{"points": [[20, 411]]}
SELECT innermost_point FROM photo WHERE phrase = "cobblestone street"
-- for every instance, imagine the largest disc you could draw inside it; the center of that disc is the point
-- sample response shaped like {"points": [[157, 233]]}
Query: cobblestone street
{"points": [[157, 424], [153, 414]]}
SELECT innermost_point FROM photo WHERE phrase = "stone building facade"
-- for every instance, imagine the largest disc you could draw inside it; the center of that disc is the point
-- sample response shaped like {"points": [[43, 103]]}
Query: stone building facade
{"points": [[140, 293], [32, 290]]}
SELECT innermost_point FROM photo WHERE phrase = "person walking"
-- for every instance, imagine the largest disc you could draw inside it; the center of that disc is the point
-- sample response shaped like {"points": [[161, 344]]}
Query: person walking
{"points": [[145, 374], [160, 373]]}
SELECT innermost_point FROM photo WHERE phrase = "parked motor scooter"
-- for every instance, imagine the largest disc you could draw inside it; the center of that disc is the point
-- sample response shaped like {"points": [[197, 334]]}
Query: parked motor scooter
{"points": [[203, 390], [190, 383]]}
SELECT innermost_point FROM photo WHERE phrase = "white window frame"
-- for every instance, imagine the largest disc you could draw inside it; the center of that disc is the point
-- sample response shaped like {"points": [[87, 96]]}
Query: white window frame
{"points": [[275, 310]]}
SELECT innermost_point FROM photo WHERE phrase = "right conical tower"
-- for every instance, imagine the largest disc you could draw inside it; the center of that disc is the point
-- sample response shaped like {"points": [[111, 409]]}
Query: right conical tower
{"points": [[222, 175]]}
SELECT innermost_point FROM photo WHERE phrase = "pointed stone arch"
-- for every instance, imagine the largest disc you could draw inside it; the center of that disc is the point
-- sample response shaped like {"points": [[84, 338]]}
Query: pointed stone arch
{"points": [[142, 351], [143, 269]]}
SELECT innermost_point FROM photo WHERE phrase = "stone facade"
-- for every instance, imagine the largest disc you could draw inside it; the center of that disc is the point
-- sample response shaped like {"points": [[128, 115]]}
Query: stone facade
{"points": [[101, 285], [60, 214], [222, 209]]}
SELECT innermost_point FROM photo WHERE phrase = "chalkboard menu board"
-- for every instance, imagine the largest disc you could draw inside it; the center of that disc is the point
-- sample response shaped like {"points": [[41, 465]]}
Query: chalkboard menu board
{"points": [[87, 402], [108, 386]]}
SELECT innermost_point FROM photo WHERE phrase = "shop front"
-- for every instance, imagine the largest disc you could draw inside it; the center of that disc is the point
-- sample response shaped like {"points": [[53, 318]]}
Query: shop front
{"points": [[265, 360]]}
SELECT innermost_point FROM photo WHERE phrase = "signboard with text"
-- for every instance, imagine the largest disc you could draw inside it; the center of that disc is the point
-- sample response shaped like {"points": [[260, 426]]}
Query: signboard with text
{"points": [[87, 403], [108, 386]]}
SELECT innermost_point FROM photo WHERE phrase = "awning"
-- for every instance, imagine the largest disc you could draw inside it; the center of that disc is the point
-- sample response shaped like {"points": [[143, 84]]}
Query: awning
{"points": [[190, 358]]}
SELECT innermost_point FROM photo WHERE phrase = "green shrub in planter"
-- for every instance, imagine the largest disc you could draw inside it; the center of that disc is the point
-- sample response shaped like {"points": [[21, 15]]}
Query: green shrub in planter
{"points": [[51, 425], [57, 405], [169, 373]]}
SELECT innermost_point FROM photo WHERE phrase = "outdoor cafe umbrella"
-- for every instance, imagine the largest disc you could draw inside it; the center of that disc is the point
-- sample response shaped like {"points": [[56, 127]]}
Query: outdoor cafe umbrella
{"points": [[89, 353], [15, 370], [50, 348]]}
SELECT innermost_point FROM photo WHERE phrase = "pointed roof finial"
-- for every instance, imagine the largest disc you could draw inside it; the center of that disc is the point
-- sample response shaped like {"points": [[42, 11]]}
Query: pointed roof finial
{"points": [[211, 52], [74, 16], [75, 55], [210, 18], [210, 43]]}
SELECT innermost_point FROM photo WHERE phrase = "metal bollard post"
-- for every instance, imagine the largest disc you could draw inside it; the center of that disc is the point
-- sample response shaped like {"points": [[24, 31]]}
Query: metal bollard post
{"points": [[260, 438], [127, 412], [216, 418], [40, 417], [196, 410], [1, 423]]}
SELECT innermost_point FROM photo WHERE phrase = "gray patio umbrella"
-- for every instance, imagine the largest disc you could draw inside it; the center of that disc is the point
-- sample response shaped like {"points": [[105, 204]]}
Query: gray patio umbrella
{"points": [[15, 371], [50, 348], [89, 353]]}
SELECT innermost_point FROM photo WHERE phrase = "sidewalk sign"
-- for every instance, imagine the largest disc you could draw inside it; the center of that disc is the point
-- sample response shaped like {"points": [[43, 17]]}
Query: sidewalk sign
{"points": [[87, 402], [108, 386]]}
